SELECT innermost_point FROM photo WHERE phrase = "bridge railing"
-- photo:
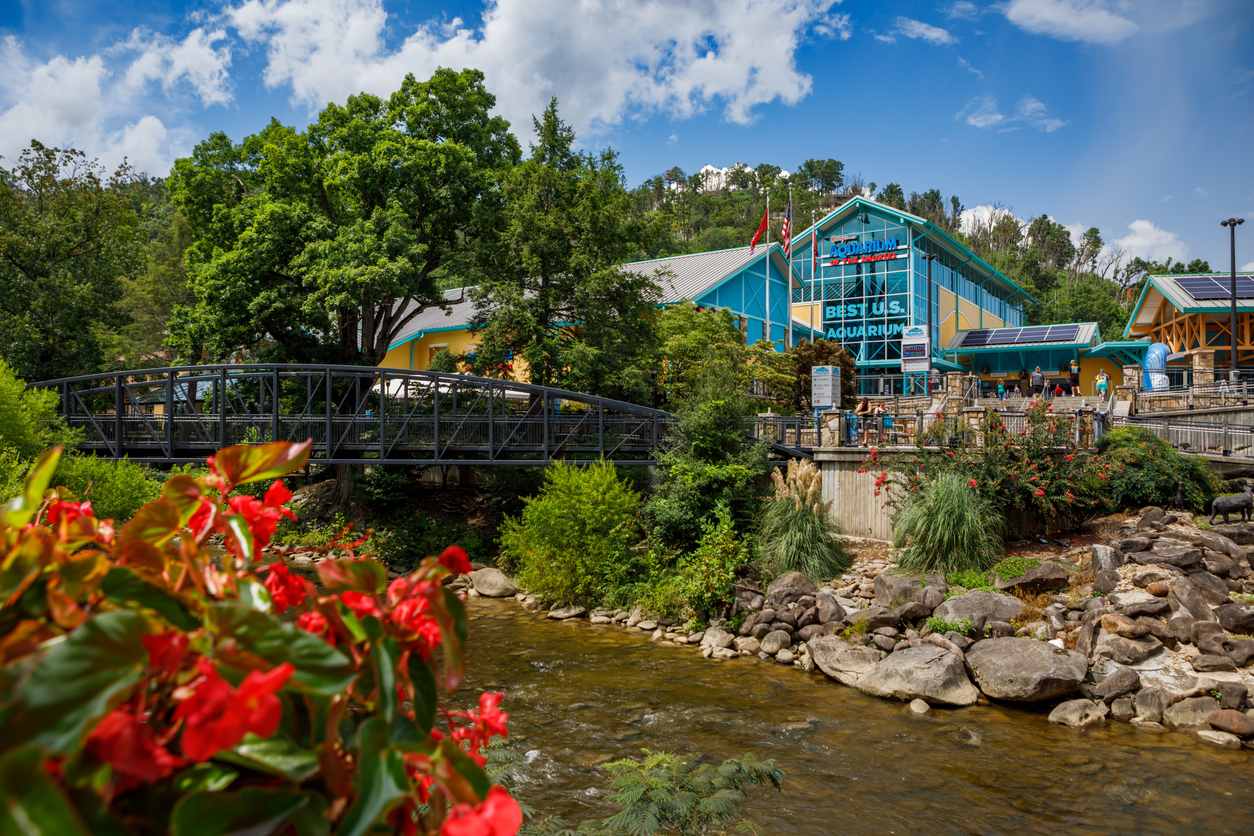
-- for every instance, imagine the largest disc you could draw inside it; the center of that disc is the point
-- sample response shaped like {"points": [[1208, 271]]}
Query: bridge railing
{"points": [[1225, 437], [352, 413]]}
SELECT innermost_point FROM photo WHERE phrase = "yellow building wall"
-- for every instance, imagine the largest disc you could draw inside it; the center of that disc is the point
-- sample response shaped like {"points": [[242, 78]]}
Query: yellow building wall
{"points": [[416, 354]]}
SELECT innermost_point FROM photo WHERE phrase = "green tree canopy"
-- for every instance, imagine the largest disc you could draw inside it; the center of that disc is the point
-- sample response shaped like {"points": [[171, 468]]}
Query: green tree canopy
{"points": [[67, 240], [551, 291], [323, 244]]}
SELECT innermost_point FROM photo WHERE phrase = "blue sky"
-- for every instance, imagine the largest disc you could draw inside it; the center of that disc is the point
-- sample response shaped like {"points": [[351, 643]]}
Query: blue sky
{"points": [[1134, 116]]}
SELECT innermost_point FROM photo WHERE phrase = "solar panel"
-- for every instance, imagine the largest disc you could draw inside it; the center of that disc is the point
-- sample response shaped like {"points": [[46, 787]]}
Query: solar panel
{"points": [[1216, 287], [1005, 336], [1059, 333], [1031, 335], [976, 338]]}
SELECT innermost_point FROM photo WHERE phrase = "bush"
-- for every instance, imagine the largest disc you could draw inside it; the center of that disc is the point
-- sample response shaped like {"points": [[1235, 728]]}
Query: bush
{"points": [[798, 533], [405, 539], [116, 489], [28, 418], [968, 579], [572, 541], [1144, 470], [941, 626], [706, 577], [947, 526]]}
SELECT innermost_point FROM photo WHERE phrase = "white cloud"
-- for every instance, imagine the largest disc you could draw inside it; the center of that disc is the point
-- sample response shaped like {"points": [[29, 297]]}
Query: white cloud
{"points": [[82, 102], [603, 60], [194, 60], [1151, 243], [962, 9], [1249, 268], [985, 215], [1087, 21], [1166, 198], [1201, 192], [918, 30], [963, 64], [982, 112]]}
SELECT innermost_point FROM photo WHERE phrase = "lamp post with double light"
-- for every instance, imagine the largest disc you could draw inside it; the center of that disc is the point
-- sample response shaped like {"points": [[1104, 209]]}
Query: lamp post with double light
{"points": [[1232, 224], [929, 258]]}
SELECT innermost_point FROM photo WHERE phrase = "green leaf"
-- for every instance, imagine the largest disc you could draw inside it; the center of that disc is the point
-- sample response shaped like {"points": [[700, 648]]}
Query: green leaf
{"points": [[451, 616], [30, 804], [123, 586], [74, 684], [155, 523], [241, 465], [381, 780], [319, 666], [364, 574], [250, 812], [309, 820], [185, 493], [237, 526], [386, 657], [275, 755], [21, 509], [255, 596], [211, 777], [466, 767], [424, 694]]}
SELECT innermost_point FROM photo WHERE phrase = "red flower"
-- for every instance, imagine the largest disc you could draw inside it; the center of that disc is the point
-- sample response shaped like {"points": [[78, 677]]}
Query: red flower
{"points": [[360, 603], [123, 740], [286, 589], [1068, 457], [875, 454], [971, 483], [166, 650], [1040, 493], [455, 560], [314, 622], [218, 716], [497, 815], [69, 511]]}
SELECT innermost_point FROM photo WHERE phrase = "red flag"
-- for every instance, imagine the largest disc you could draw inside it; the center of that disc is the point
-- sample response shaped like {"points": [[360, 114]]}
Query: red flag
{"points": [[785, 237], [758, 234]]}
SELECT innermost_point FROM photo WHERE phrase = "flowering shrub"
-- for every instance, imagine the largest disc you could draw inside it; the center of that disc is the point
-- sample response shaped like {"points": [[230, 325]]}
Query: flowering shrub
{"points": [[149, 687], [1038, 468]]}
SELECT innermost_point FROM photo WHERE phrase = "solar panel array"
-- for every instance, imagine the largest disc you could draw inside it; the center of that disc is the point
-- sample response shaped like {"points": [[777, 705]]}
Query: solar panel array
{"points": [[1016, 336], [1216, 287]]}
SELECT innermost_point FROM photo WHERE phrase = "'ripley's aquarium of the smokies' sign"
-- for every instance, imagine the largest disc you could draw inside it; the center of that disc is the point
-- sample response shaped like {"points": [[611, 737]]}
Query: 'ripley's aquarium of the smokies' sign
{"points": [[857, 252]]}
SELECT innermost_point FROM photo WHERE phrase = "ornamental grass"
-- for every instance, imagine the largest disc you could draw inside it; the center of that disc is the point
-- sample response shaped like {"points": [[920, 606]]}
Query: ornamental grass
{"points": [[798, 533], [948, 527]]}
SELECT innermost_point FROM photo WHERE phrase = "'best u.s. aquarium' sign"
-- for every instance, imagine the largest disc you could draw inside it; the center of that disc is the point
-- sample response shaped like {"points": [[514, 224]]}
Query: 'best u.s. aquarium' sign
{"points": [[857, 252], [870, 320]]}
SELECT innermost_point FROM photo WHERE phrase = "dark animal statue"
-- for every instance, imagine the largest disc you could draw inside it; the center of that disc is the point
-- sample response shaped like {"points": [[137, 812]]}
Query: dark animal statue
{"points": [[1242, 502], [1176, 503]]}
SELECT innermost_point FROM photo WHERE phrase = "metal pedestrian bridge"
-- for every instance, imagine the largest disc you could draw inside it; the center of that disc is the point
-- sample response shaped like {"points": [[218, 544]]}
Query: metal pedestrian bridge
{"points": [[357, 415]]}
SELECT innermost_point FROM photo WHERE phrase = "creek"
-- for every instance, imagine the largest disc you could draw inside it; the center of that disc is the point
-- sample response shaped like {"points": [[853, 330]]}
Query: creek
{"points": [[580, 695]]}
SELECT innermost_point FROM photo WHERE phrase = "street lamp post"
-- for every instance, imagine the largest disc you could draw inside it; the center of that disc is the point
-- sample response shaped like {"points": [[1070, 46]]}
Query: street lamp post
{"points": [[929, 258], [1232, 224]]}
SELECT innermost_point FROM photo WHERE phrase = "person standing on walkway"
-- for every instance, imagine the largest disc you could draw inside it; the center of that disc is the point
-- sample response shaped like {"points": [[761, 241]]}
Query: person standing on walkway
{"points": [[1038, 381], [1075, 378], [1001, 392], [863, 412]]}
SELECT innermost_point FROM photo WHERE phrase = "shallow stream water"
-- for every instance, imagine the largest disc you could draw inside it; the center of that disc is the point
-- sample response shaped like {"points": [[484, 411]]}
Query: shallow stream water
{"points": [[579, 695]]}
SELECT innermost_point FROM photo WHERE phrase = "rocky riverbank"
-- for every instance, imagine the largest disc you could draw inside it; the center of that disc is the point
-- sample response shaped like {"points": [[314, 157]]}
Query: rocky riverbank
{"points": [[1154, 628]]}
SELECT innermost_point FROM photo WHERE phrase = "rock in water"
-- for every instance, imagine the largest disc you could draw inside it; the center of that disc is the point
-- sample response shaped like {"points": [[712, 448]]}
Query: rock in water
{"points": [[1025, 670], [567, 612], [492, 583], [919, 707], [842, 661], [1122, 681], [775, 641], [1232, 722], [1192, 714], [927, 672], [1079, 714]]}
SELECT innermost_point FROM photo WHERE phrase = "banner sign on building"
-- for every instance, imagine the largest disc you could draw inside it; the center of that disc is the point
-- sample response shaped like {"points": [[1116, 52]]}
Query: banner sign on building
{"points": [[824, 386], [883, 249], [915, 353]]}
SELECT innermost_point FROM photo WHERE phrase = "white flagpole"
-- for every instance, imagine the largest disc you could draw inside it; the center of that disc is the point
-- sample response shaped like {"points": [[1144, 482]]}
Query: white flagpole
{"points": [[766, 326], [788, 281], [814, 268]]}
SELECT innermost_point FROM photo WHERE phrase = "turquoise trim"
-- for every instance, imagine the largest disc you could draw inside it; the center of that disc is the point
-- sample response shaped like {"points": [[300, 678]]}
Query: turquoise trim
{"points": [[427, 333]]}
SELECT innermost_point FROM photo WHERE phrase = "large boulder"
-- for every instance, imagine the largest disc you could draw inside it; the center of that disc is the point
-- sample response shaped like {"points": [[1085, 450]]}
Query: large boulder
{"points": [[1219, 543], [1044, 576], [1151, 702], [1025, 670], [842, 661], [894, 590], [1185, 596], [1192, 714], [1211, 589], [1079, 714], [1240, 533], [789, 587], [492, 583], [1105, 557], [1182, 557], [874, 618], [1236, 618], [775, 641], [829, 608], [985, 606], [717, 637], [1125, 651], [1137, 602], [926, 673]]}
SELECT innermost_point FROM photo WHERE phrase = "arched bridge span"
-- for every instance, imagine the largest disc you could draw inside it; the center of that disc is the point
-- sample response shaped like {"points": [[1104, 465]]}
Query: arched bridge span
{"points": [[354, 414]]}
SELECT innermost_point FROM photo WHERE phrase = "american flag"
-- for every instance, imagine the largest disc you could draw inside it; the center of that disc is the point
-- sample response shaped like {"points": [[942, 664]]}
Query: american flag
{"points": [[814, 253], [785, 237]]}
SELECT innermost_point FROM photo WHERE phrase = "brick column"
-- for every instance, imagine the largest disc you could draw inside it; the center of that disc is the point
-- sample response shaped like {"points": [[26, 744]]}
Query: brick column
{"points": [[1203, 368]]}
